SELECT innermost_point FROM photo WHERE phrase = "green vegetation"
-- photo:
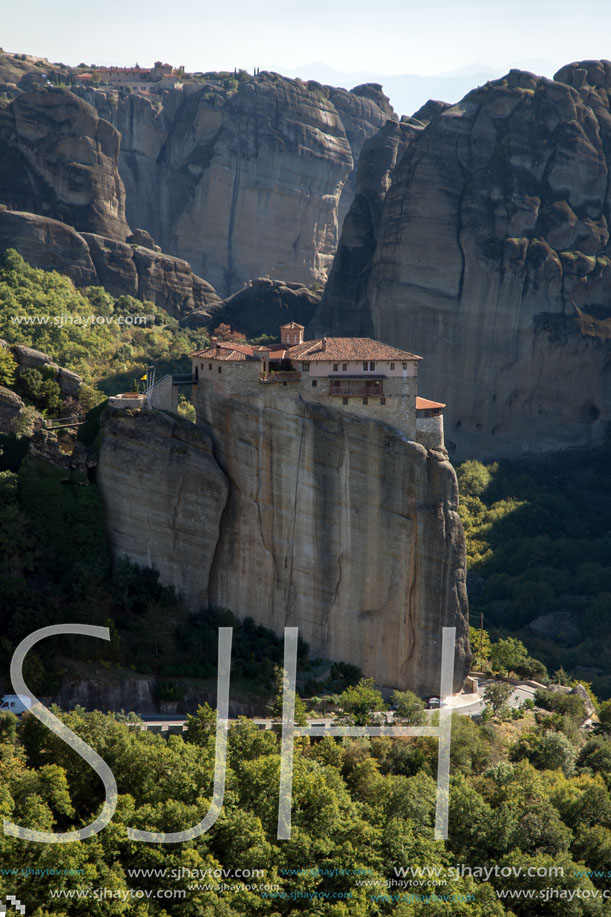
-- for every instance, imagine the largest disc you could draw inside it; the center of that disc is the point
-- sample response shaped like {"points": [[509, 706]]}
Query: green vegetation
{"points": [[103, 351], [409, 708], [8, 367], [527, 795], [539, 541], [360, 701]]}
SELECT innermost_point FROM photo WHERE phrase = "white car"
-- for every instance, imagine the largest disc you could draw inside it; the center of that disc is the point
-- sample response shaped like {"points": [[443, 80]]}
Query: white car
{"points": [[15, 703], [433, 703]]}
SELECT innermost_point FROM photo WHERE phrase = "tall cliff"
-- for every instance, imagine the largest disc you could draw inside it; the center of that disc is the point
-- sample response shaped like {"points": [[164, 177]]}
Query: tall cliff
{"points": [[243, 177], [58, 158], [344, 307], [308, 517], [492, 256]]}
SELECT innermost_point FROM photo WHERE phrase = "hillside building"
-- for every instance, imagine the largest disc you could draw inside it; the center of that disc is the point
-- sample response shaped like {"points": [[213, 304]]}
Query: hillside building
{"points": [[359, 375], [137, 79]]}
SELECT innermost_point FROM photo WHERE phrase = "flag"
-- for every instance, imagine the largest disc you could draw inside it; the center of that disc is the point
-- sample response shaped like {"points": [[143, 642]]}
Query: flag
{"points": [[143, 378]]}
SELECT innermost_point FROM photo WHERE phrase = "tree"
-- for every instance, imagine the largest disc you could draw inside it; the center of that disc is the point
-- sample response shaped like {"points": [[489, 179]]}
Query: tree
{"points": [[505, 655], [561, 677], [40, 388], [201, 726], [186, 409], [409, 708], [480, 645], [277, 706], [604, 715], [556, 752], [360, 701], [531, 668], [8, 367], [26, 423], [474, 477], [497, 695]]}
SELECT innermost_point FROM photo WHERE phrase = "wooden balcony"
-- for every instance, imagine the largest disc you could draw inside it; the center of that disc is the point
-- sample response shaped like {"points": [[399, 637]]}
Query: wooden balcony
{"points": [[358, 387], [281, 375]]}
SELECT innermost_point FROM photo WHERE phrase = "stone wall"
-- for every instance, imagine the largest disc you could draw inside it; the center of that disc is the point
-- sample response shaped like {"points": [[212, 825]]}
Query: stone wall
{"points": [[429, 431], [165, 395]]}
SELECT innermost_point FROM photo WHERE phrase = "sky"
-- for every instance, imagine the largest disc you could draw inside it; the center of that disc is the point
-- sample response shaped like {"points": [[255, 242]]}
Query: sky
{"points": [[350, 36]]}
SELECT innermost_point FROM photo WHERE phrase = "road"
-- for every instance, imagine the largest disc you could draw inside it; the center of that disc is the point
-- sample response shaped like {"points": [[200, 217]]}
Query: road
{"points": [[465, 704]]}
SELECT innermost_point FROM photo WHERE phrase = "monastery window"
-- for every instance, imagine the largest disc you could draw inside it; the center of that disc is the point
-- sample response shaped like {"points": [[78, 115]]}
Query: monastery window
{"points": [[404, 365], [210, 367], [372, 366], [305, 367], [219, 368], [365, 367], [344, 401], [314, 383], [335, 367], [382, 400], [392, 365], [344, 367], [365, 401]]}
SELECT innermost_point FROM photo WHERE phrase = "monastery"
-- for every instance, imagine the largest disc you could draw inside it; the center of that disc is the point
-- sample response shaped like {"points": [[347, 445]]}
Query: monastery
{"points": [[359, 375]]}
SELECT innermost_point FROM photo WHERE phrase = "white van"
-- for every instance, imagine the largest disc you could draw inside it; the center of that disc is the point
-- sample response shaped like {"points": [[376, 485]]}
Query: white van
{"points": [[15, 703]]}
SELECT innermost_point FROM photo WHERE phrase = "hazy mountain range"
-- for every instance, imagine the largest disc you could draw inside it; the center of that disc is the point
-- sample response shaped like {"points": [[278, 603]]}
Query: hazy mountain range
{"points": [[408, 91]]}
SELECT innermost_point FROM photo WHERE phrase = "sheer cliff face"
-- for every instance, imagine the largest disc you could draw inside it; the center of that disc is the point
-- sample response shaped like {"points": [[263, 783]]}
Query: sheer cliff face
{"points": [[243, 179], [58, 158], [492, 258], [164, 496], [334, 524], [344, 308]]}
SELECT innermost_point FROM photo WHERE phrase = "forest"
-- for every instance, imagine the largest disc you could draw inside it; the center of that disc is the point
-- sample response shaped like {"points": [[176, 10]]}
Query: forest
{"points": [[530, 803]]}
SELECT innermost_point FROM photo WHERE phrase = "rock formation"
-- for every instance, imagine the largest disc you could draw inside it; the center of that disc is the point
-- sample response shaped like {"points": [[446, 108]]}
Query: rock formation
{"points": [[27, 358], [319, 519], [60, 159], [263, 305], [164, 495], [91, 260], [492, 257], [344, 308], [362, 111], [11, 407], [243, 177]]}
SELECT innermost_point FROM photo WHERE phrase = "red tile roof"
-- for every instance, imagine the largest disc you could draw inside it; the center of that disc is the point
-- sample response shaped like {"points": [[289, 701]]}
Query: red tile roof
{"points": [[293, 325], [227, 351], [337, 349], [323, 349], [423, 404]]}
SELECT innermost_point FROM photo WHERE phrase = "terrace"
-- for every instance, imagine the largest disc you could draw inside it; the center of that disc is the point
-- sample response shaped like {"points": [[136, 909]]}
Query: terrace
{"points": [[357, 387]]}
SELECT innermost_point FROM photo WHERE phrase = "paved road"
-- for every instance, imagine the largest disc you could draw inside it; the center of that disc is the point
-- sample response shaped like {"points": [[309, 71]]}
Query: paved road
{"points": [[175, 724]]}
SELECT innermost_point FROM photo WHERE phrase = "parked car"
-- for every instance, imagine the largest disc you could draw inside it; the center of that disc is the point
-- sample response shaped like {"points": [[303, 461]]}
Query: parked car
{"points": [[15, 703], [433, 703]]}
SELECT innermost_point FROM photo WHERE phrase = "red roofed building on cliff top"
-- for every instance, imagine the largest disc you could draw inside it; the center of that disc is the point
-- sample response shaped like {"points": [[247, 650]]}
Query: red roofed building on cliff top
{"points": [[359, 375]]}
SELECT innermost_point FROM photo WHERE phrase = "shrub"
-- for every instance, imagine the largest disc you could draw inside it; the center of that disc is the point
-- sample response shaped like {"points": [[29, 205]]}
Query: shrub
{"points": [[8, 367]]}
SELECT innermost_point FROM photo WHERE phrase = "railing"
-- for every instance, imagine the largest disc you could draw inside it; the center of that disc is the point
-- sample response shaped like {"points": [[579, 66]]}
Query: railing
{"points": [[183, 379], [363, 389], [57, 422]]}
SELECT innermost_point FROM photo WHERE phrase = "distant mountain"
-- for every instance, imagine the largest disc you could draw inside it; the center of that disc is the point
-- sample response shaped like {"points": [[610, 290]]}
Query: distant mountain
{"points": [[409, 91]]}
